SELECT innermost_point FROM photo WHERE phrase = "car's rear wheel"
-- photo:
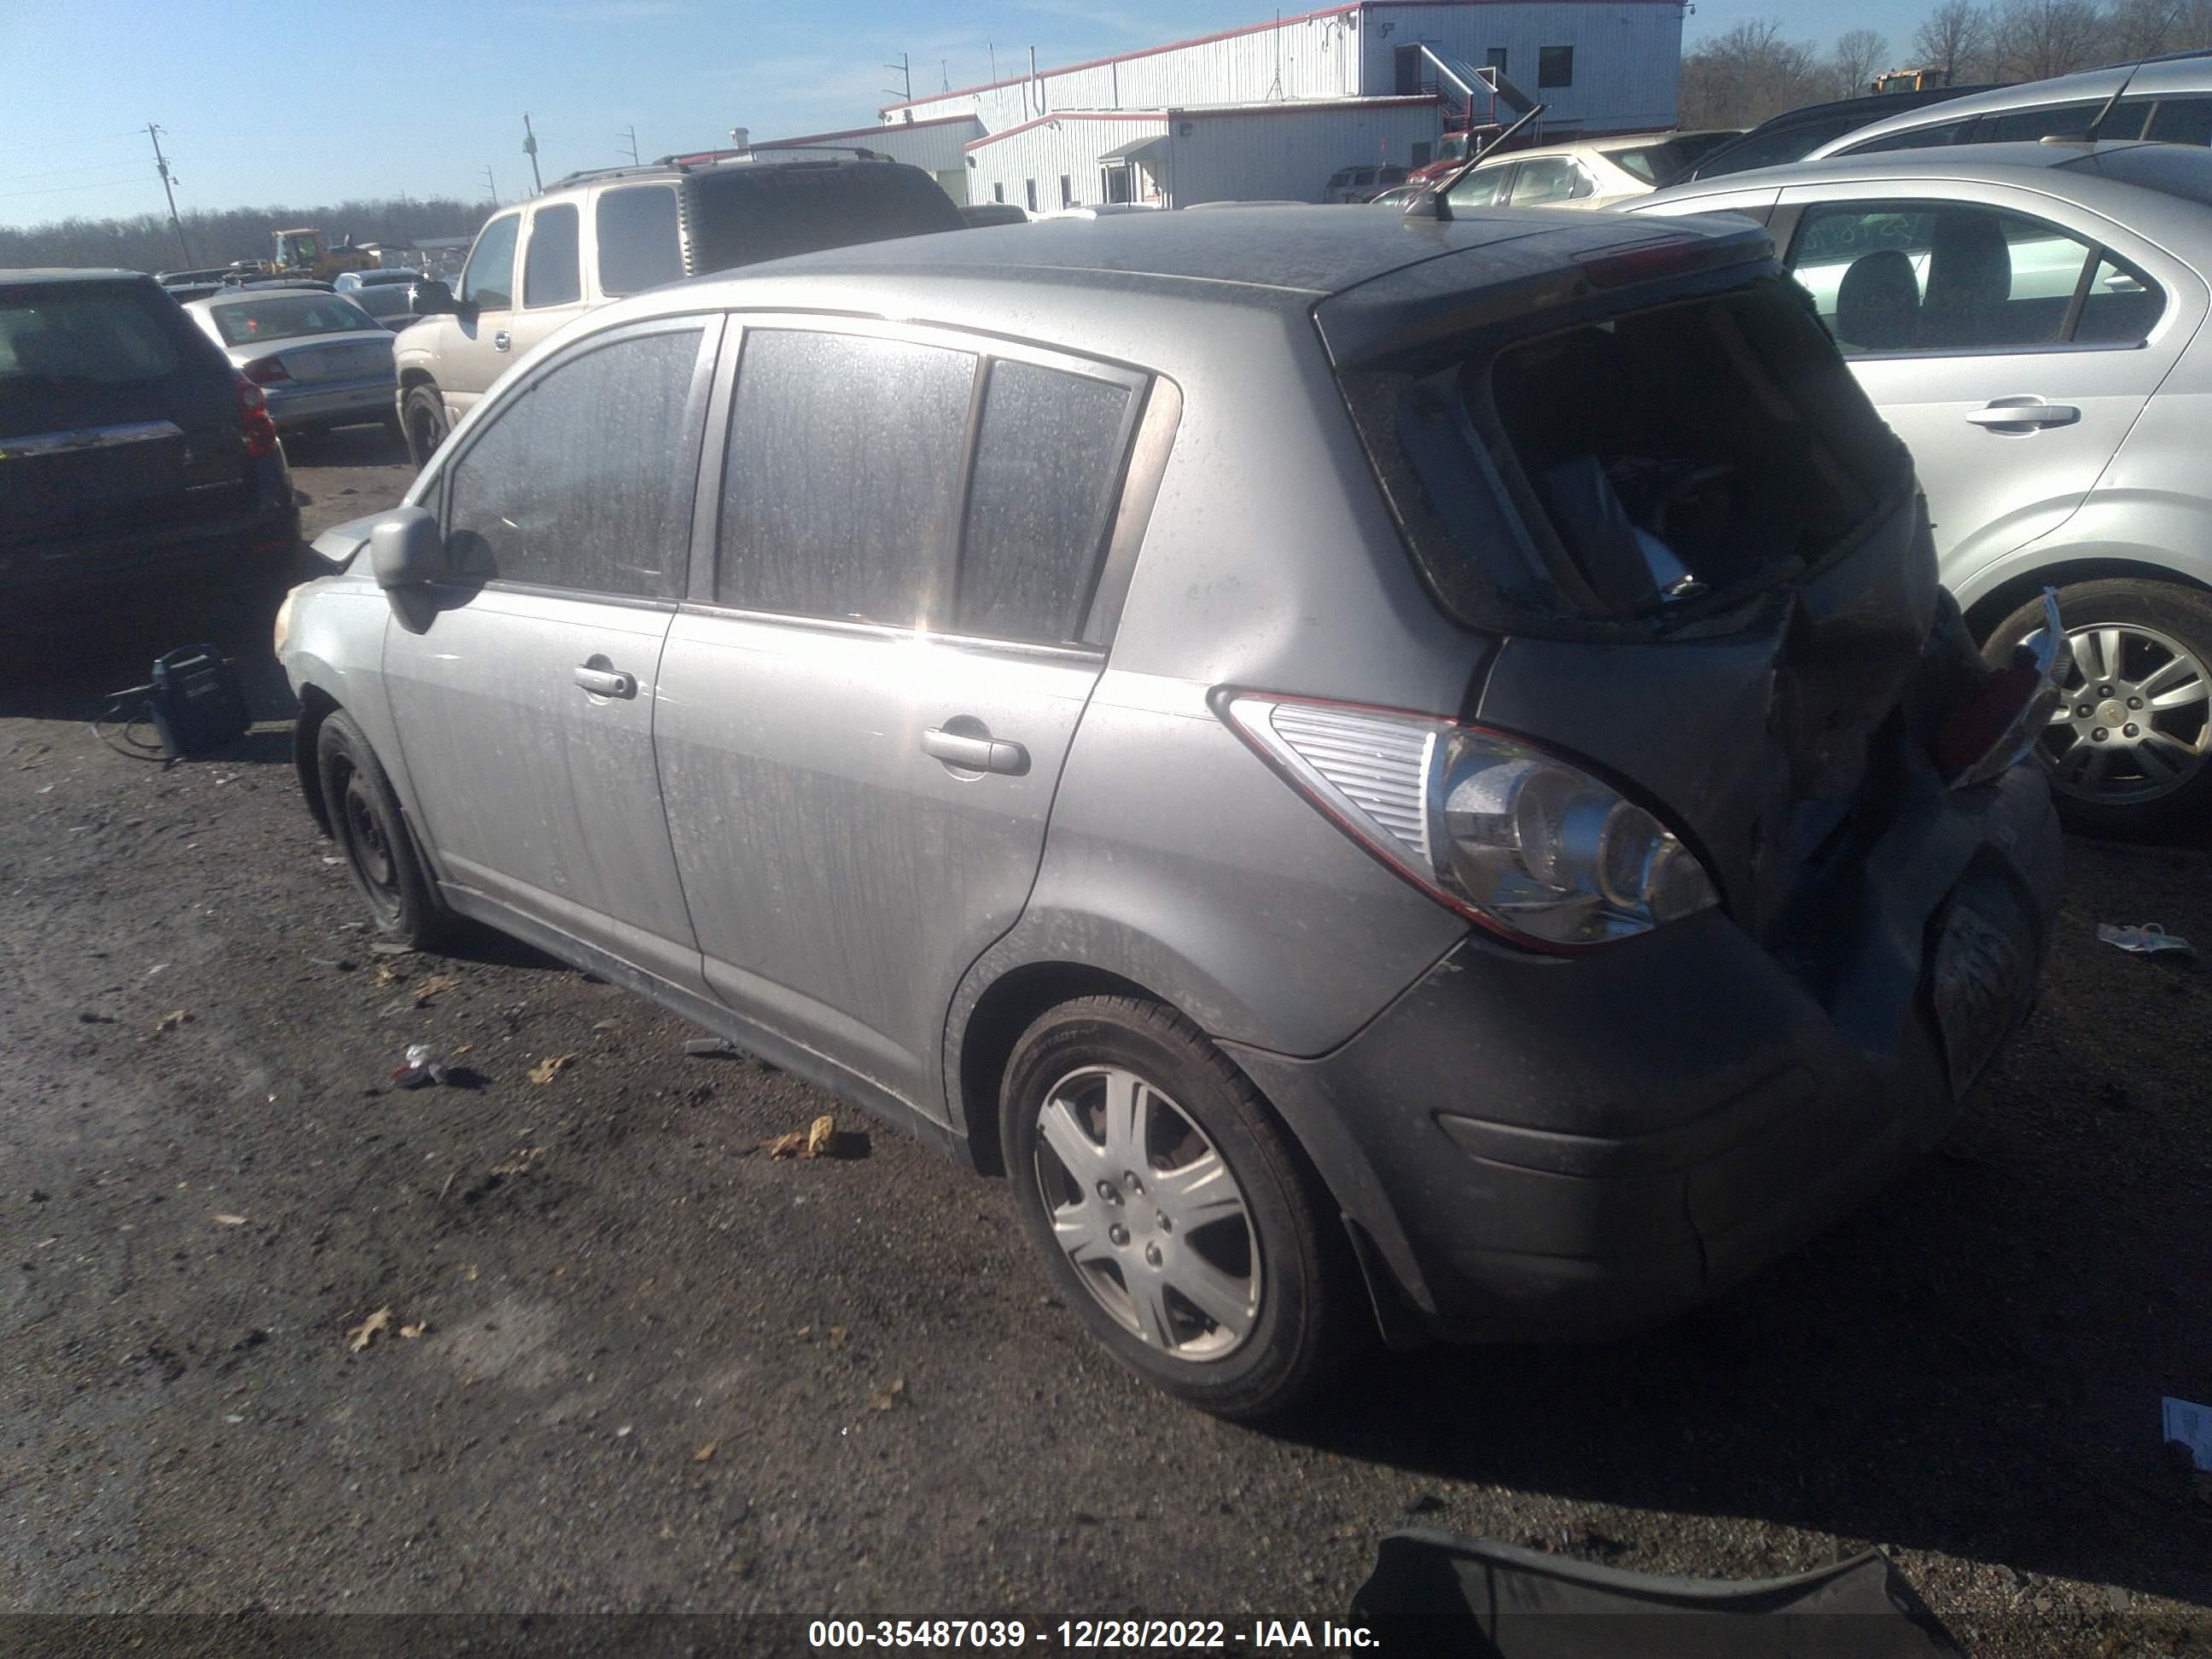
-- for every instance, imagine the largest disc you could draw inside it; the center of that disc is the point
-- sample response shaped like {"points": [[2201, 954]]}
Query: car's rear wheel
{"points": [[371, 831], [2130, 751], [424, 413], [1175, 1217]]}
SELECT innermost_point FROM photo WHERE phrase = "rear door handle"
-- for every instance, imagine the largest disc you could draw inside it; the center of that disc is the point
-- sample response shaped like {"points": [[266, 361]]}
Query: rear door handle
{"points": [[975, 754], [607, 682], [500, 341], [2023, 412]]}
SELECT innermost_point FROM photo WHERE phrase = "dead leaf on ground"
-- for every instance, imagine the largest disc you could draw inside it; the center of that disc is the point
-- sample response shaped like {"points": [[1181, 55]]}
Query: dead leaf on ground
{"points": [[805, 1331], [520, 1163], [607, 1025], [436, 985], [821, 1135], [550, 1068], [170, 1021], [818, 1141], [369, 1329], [836, 1336], [791, 1145], [889, 1397], [229, 1220], [386, 974], [706, 1453], [410, 1332]]}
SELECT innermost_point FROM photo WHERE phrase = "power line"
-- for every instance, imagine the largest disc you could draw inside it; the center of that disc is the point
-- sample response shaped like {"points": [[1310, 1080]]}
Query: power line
{"points": [[136, 166], [64, 190], [67, 143]]}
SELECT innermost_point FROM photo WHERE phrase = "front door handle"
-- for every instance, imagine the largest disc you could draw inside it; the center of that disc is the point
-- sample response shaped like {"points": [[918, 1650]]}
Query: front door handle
{"points": [[500, 341], [975, 754], [607, 682], [2021, 414]]}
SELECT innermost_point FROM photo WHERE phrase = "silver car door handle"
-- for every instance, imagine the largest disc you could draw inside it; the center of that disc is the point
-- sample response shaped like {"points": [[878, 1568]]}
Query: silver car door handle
{"points": [[977, 754], [500, 341], [607, 682], [2026, 412]]}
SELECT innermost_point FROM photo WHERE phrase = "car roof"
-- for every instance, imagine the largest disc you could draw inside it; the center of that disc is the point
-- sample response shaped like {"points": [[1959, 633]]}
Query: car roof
{"points": [[1264, 255], [2181, 72], [2047, 166], [69, 274]]}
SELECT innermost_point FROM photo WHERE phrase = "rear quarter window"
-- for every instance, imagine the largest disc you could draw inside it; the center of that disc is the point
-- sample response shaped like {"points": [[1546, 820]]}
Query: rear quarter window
{"points": [[640, 244]]}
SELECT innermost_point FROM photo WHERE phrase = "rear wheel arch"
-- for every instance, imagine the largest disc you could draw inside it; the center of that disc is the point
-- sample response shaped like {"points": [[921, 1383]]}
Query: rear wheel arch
{"points": [[2009, 595], [1006, 1009]]}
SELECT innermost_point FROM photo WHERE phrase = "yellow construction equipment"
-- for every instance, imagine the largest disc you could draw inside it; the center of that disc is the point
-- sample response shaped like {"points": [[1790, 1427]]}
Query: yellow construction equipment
{"points": [[1912, 80]]}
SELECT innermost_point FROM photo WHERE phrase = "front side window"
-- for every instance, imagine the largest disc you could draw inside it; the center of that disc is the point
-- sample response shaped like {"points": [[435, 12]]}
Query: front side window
{"points": [[1919, 277], [583, 479], [1555, 66], [487, 283], [639, 246], [1046, 461], [1549, 179], [841, 480], [551, 275]]}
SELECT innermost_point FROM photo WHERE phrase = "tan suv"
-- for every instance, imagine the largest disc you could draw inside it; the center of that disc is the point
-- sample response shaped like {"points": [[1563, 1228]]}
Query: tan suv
{"points": [[598, 236]]}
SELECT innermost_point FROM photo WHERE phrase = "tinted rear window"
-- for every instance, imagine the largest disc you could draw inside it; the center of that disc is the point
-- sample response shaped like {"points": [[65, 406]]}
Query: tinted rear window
{"points": [[287, 317], [742, 214], [639, 246], [2170, 169], [1623, 468], [87, 336]]}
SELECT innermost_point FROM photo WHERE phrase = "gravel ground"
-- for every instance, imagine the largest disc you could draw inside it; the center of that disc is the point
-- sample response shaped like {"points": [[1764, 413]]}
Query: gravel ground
{"points": [[649, 1368]]}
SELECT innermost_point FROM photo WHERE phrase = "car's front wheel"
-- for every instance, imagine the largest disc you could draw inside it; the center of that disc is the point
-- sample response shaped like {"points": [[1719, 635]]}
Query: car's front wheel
{"points": [[1173, 1214], [371, 831], [2130, 751], [424, 413]]}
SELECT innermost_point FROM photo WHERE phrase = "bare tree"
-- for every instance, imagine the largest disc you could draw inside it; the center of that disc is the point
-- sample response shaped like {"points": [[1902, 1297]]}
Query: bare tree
{"points": [[1739, 78], [2039, 39], [1954, 37], [143, 243], [1856, 55]]}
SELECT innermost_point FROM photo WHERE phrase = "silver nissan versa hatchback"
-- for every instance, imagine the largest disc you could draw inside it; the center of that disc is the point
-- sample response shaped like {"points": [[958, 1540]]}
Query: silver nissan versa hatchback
{"points": [[1386, 773]]}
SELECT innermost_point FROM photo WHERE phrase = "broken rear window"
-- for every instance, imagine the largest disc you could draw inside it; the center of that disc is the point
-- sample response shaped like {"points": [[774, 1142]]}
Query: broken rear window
{"points": [[1637, 470]]}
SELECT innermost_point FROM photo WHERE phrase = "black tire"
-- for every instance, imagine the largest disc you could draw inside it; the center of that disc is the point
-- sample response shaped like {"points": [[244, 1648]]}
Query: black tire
{"points": [[2132, 802], [372, 834], [1308, 1315], [394, 427], [424, 415]]}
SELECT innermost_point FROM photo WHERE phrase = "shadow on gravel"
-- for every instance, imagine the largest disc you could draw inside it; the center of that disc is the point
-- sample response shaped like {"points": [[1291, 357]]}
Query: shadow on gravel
{"points": [[1971, 1364]]}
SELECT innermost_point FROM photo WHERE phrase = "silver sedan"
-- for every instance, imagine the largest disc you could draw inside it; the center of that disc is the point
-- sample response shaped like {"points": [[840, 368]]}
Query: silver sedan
{"points": [[2028, 318], [319, 359]]}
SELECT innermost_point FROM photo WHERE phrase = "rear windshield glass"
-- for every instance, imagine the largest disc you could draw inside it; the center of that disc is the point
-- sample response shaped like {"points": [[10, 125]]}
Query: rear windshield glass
{"points": [[86, 337], [384, 278], [287, 317], [384, 301], [1665, 161], [741, 215], [1622, 470], [2177, 170]]}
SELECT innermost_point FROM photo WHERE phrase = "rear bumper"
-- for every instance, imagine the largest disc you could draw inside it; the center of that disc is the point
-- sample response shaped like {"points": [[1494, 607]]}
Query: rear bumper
{"points": [[1581, 1147], [309, 403], [238, 547]]}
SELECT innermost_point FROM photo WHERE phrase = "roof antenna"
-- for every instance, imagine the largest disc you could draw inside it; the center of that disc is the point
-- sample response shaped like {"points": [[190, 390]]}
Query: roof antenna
{"points": [[2096, 126], [1435, 202]]}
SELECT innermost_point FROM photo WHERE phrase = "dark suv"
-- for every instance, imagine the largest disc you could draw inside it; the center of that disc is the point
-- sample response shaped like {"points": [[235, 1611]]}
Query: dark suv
{"points": [[130, 448]]}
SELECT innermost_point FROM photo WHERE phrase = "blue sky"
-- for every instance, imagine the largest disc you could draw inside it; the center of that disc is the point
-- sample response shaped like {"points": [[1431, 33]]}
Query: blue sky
{"points": [[314, 101]]}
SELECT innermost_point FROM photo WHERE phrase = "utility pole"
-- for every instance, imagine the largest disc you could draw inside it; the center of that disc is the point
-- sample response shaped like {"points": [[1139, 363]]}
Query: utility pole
{"points": [[906, 79], [944, 72], [162, 167], [629, 134], [492, 184], [530, 148]]}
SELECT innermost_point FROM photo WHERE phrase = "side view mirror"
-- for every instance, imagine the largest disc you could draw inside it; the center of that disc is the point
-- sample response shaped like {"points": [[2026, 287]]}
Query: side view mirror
{"points": [[434, 298], [407, 549]]}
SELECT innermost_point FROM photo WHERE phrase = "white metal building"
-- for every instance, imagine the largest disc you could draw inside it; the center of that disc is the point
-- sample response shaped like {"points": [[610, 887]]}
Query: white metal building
{"points": [[1273, 108], [936, 145]]}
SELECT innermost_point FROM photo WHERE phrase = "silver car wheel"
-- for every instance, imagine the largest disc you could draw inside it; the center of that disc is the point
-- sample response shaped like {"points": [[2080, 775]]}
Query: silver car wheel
{"points": [[2135, 724], [1148, 1213]]}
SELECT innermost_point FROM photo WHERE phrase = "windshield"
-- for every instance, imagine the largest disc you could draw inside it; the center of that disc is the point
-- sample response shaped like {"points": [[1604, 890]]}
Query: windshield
{"points": [[2183, 171], [287, 317]]}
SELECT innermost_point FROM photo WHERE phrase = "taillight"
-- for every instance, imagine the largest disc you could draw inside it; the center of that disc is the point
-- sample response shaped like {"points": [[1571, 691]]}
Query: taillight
{"points": [[267, 371], [1517, 840], [253, 415]]}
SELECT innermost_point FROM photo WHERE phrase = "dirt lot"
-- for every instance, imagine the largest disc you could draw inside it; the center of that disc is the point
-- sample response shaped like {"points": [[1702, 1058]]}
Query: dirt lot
{"points": [[656, 1369]]}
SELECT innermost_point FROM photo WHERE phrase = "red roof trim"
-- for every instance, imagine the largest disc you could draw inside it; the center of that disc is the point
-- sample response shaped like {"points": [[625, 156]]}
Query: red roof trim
{"points": [[879, 129]]}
